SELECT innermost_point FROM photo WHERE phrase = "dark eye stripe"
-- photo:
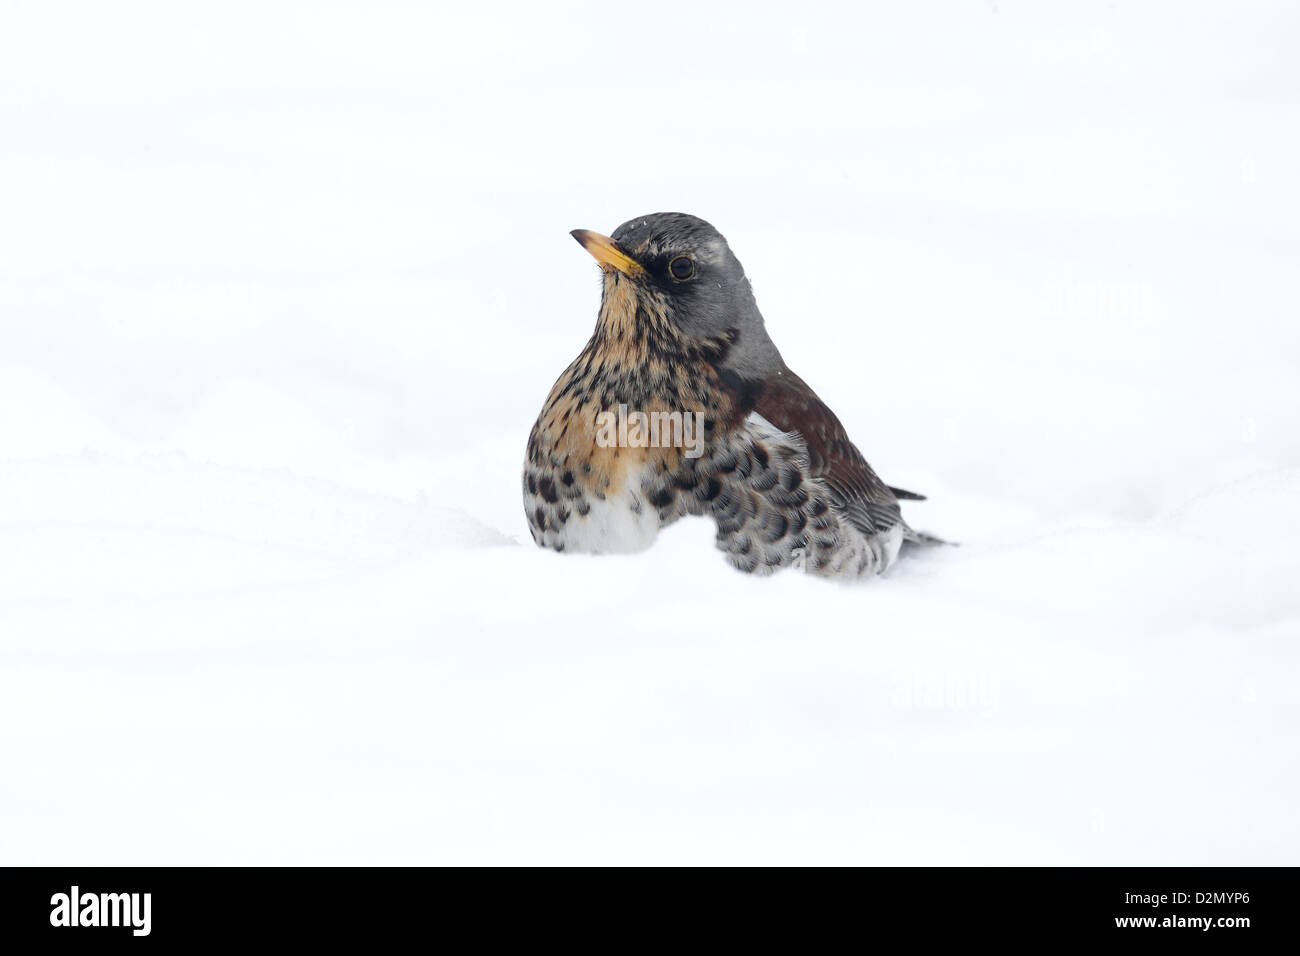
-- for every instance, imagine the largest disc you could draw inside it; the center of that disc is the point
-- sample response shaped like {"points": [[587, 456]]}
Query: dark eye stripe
{"points": [[682, 268]]}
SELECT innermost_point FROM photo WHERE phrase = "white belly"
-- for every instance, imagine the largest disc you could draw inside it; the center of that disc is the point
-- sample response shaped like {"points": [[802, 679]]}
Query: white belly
{"points": [[620, 523]]}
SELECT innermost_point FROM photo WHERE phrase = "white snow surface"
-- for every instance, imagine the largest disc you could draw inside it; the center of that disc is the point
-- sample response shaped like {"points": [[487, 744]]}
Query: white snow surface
{"points": [[282, 289]]}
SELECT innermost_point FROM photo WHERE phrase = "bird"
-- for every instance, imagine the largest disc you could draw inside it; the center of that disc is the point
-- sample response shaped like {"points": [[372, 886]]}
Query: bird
{"points": [[680, 343]]}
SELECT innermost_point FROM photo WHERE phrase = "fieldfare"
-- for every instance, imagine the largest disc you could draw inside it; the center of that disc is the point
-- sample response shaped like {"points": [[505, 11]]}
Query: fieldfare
{"points": [[681, 405]]}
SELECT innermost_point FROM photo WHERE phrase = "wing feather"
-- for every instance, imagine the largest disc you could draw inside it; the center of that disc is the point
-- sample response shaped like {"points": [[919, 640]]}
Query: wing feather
{"points": [[856, 492]]}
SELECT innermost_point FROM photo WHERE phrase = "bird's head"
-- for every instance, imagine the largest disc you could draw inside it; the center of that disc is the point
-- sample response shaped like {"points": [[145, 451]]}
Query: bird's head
{"points": [[678, 268]]}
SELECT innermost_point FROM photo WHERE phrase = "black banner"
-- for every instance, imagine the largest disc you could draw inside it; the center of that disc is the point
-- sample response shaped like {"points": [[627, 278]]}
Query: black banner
{"points": [[145, 907]]}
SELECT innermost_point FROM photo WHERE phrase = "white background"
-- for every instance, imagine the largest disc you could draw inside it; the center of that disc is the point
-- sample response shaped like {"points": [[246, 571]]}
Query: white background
{"points": [[282, 289]]}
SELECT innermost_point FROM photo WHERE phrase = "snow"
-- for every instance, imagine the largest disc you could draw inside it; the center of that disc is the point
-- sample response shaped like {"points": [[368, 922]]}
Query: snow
{"points": [[282, 289]]}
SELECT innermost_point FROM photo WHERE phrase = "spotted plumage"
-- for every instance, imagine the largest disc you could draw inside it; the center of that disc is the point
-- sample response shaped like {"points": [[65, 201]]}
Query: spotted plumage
{"points": [[679, 333]]}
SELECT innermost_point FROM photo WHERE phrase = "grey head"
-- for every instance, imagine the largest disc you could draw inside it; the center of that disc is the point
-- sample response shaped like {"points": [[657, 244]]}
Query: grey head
{"points": [[686, 266]]}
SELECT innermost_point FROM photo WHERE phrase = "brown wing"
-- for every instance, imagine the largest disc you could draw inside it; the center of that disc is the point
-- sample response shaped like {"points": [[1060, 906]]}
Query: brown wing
{"points": [[792, 406]]}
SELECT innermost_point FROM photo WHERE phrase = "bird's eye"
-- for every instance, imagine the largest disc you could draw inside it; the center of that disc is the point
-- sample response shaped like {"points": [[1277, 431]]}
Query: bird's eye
{"points": [[682, 268]]}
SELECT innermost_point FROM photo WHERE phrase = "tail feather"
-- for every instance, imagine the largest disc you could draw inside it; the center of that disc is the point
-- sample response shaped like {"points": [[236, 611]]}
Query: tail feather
{"points": [[902, 494], [912, 536]]}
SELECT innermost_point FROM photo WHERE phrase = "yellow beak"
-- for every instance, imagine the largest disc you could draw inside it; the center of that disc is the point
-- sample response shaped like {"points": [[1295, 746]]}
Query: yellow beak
{"points": [[607, 252]]}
